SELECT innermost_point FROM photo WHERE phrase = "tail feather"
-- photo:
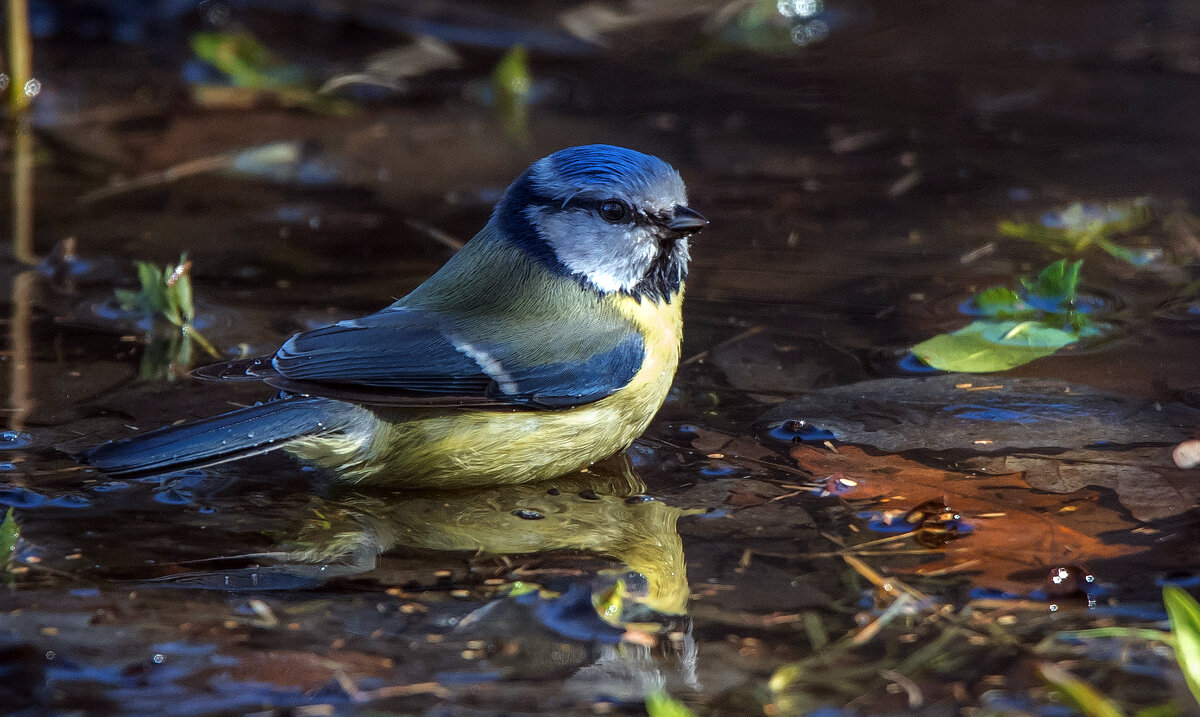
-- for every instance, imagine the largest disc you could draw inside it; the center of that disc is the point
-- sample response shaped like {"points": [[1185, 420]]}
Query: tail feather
{"points": [[237, 434]]}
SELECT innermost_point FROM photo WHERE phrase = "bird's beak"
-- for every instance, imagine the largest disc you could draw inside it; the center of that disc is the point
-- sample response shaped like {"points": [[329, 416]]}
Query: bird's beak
{"points": [[685, 221]]}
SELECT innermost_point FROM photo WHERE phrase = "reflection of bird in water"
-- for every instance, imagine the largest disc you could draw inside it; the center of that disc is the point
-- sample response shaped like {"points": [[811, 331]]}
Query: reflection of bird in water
{"points": [[603, 511]]}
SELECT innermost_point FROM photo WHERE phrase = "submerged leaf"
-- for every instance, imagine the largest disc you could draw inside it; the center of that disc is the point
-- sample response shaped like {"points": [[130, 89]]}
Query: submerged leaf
{"points": [[987, 346], [1184, 612]]}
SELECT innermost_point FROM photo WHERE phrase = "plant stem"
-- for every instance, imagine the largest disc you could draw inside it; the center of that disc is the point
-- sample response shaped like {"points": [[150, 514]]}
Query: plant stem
{"points": [[20, 55]]}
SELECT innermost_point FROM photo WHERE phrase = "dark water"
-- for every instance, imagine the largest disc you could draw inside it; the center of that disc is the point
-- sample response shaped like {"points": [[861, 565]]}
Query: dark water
{"points": [[854, 172]]}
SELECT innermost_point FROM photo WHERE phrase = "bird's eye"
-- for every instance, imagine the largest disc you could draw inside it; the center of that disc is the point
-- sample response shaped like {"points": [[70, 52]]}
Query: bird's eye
{"points": [[614, 211]]}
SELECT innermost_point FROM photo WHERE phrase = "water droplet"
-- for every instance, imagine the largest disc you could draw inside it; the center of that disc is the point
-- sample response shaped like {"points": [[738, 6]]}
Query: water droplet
{"points": [[3, 82], [33, 87], [527, 514], [158, 658]]}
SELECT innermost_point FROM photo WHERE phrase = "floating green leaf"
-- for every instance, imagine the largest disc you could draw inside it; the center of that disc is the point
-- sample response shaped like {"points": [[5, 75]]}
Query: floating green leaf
{"points": [[1078, 693], [1020, 326], [661, 704], [513, 88], [987, 346], [1184, 612]]}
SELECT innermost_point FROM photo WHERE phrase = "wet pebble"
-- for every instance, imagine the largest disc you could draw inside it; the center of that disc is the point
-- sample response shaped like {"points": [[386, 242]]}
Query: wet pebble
{"points": [[527, 514], [1187, 454]]}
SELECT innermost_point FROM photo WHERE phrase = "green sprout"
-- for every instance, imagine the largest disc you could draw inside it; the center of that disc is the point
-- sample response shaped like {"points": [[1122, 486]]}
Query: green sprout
{"points": [[166, 293]]}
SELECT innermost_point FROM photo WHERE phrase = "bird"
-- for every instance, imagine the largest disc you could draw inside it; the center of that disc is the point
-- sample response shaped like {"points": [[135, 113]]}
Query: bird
{"points": [[547, 343]]}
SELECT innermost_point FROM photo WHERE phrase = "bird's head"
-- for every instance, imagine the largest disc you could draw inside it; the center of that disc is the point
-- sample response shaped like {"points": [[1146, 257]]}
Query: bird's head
{"points": [[613, 219]]}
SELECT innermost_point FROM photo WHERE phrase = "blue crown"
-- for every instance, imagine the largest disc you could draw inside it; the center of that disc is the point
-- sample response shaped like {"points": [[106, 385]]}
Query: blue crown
{"points": [[603, 165]]}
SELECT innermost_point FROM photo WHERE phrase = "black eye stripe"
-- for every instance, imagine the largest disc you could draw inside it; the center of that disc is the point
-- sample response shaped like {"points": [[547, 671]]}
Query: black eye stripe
{"points": [[593, 204]]}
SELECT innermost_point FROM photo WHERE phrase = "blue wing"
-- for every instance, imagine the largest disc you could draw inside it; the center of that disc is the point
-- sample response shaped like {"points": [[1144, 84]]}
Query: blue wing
{"points": [[407, 356]]}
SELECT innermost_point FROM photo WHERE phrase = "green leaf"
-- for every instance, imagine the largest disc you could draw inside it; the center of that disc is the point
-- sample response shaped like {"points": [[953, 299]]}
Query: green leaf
{"points": [[1055, 287], [1000, 301], [153, 291], [661, 704], [10, 533], [988, 346], [1184, 613], [1078, 693]]}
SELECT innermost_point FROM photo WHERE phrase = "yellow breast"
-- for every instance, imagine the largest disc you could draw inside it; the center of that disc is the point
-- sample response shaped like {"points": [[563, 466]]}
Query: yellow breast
{"points": [[451, 448]]}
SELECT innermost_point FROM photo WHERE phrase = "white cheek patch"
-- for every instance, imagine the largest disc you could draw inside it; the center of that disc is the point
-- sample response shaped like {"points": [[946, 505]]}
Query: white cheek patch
{"points": [[613, 257]]}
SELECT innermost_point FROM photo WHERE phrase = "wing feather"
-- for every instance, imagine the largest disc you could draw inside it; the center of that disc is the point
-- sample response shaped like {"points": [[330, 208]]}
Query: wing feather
{"points": [[402, 356]]}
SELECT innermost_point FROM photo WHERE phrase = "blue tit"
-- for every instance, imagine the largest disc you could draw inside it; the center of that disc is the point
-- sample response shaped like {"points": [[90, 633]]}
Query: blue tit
{"points": [[547, 343]]}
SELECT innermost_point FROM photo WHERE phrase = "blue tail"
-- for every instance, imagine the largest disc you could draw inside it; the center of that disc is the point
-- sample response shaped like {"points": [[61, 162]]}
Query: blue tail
{"points": [[237, 434]]}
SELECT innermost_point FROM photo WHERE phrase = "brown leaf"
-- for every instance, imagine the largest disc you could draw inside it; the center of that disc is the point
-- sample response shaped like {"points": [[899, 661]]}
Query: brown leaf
{"points": [[1025, 533]]}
